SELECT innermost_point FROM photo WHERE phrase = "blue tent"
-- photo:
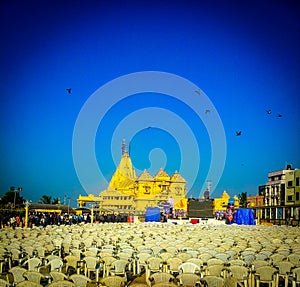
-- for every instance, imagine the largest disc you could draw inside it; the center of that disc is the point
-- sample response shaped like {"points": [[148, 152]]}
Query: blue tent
{"points": [[152, 214], [244, 216]]}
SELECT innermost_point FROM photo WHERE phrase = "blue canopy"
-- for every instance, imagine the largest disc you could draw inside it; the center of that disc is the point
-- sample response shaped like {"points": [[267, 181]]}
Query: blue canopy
{"points": [[244, 216], [152, 214]]}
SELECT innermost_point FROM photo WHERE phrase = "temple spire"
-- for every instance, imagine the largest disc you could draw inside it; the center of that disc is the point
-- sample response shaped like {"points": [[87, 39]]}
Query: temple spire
{"points": [[125, 173], [123, 146]]}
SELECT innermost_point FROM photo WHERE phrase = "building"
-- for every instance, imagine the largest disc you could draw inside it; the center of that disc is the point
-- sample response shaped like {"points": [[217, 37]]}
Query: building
{"points": [[255, 200], [292, 195], [221, 203], [132, 194], [281, 202]]}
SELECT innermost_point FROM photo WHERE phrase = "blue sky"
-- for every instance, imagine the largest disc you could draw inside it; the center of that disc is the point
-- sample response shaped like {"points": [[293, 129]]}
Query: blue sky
{"points": [[242, 55]]}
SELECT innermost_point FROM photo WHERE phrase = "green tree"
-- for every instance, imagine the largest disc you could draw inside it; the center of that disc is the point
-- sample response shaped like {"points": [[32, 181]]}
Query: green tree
{"points": [[45, 199], [243, 199], [12, 197]]}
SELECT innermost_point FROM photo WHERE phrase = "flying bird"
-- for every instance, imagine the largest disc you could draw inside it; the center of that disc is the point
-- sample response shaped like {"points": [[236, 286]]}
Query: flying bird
{"points": [[279, 115], [238, 133], [197, 91], [69, 90], [207, 111], [268, 112]]}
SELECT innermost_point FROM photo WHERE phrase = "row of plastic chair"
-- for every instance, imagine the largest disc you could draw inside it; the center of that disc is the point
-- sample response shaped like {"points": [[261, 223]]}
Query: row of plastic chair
{"points": [[247, 244]]}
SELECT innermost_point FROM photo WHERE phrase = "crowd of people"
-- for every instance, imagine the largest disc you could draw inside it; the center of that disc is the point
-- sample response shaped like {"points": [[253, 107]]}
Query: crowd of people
{"points": [[11, 219], [227, 215], [14, 219]]}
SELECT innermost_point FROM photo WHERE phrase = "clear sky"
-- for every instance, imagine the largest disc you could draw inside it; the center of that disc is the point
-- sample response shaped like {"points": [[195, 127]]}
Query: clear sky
{"points": [[237, 59]]}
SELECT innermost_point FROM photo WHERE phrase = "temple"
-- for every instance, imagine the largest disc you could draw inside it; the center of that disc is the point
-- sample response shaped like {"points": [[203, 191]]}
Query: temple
{"points": [[132, 194]]}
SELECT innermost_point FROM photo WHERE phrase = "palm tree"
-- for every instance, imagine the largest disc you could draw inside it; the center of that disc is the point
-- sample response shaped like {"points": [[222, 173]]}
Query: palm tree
{"points": [[45, 199], [55, 200]]}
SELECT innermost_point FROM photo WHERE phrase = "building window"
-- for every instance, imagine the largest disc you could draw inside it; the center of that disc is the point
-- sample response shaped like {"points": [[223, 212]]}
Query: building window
{"points": [[290, 198], [297, 181], [290, 183], [146, 189], [297, 195]]}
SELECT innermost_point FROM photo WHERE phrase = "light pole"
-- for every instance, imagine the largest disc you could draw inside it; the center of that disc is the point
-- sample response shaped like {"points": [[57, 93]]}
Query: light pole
{"points": [[27, 203], [92, 213], [69, 204], [12, 188]]}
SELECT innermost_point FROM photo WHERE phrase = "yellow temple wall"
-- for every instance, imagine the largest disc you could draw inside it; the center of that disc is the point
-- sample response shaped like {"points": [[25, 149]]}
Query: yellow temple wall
{"points": [[221, 203]]}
